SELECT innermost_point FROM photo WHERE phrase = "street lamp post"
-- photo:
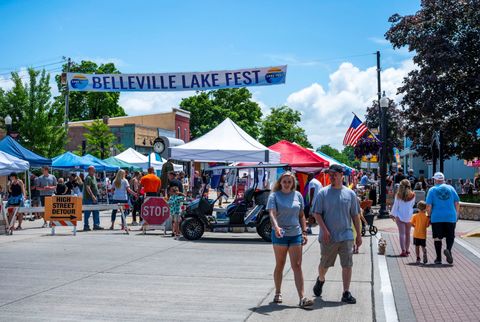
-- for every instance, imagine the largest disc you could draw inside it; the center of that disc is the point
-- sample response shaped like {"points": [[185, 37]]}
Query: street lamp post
{"points": [[384, 102]]}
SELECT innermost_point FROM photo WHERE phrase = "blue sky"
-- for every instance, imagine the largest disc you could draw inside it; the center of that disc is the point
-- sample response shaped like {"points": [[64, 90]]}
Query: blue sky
{"points": [[328, 46]]}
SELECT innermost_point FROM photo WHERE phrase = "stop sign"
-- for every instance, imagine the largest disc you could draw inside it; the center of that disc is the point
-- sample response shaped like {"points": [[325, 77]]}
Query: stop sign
{"points": [[155, 211]]}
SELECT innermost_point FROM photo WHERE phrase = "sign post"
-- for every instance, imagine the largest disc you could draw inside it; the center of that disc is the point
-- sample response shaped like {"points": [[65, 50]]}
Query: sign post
{"points": [[154, 212], [63, 211]]}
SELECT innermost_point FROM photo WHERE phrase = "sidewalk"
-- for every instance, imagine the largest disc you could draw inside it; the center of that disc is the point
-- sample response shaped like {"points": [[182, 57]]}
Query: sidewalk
{"points": [[328, 307], [435, 292]]}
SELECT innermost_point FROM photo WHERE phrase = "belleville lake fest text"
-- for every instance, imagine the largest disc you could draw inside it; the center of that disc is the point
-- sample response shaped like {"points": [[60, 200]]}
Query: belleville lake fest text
{"points": [[177, 81]]}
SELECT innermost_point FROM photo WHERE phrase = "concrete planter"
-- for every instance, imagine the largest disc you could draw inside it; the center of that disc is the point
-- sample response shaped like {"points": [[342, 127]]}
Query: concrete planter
{"points": [[469, 211]]}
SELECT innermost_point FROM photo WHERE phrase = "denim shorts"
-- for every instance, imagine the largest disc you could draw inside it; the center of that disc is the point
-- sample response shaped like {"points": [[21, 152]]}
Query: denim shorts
{"points": [[287, 240]]}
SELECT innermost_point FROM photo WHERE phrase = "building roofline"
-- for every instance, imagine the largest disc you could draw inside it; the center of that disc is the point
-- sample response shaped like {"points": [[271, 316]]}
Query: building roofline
{"points": [[174, 109]]}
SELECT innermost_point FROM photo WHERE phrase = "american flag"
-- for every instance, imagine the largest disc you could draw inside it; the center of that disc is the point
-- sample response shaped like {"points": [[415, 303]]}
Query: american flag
{"points": [[356, 130]]}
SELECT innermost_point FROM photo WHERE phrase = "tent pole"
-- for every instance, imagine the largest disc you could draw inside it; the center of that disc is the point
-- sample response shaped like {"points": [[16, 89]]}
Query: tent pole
{"points": [[106, 185], [192, 172]]}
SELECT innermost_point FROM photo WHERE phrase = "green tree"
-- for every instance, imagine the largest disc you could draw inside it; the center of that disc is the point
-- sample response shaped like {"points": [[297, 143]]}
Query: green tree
{"points": [[333, 153], [282, 124], [90, 105], [346, 156], [443, 93], [394, 123], [99, 140], [208, 109], [349, 152], [39, 124]]}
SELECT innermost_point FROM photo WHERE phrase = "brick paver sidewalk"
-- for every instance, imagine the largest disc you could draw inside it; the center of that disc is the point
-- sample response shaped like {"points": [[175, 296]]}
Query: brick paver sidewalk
{"points": [[437, 292]]}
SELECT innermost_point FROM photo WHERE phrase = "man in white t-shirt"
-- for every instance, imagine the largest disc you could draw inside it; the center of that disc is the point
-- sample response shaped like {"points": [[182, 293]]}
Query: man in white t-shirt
{"points": [[313, 187]]}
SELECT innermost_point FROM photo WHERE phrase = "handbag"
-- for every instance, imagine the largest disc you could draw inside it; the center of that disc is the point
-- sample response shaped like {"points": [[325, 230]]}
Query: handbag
{"points": [[15, 200]]}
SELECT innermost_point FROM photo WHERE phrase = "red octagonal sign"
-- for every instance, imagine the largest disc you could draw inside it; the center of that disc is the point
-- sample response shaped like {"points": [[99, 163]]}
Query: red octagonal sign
{"points": [[155, 210]]}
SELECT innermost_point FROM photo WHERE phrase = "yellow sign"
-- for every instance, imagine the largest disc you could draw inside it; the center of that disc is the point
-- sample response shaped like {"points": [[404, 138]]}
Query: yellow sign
{"points": [[373, 159], [66, 208]]}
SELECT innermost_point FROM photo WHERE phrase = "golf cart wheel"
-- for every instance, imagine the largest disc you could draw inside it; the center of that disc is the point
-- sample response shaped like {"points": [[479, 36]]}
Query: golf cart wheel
{"points": [[192, 228], [363, 231], [373, 230], [265, 230]]}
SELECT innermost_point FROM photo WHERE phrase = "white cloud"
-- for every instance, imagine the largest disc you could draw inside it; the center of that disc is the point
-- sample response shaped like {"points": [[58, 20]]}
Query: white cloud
{"points": [[137, 103], [6, 82], [327, 113], [264, 107]]}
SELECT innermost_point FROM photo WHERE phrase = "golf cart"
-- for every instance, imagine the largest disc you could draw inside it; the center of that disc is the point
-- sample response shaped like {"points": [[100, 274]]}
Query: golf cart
{"points": [[247, 212]]}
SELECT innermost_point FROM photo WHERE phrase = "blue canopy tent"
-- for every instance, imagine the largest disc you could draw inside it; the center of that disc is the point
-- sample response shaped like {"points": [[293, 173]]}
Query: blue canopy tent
{"points": [[99, 164], [12, 147], [68, 160]]}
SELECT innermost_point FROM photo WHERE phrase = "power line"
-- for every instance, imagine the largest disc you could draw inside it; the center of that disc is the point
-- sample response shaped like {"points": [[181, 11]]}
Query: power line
{"points": [[57, 69], [34, 67], [43, 61]]}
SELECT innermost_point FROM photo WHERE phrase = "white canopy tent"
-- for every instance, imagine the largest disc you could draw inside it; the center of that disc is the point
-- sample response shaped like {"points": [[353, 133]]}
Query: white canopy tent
{"points": [[9, 164], [136, 158], [225, 143]]}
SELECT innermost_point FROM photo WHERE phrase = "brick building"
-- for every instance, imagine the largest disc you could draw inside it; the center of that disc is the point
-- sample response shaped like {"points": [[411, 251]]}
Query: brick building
{"points": [[138, 132]]}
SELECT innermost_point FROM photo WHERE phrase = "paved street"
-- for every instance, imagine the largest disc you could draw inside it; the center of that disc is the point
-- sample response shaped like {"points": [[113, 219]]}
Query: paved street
{"points": [[107, 275]]}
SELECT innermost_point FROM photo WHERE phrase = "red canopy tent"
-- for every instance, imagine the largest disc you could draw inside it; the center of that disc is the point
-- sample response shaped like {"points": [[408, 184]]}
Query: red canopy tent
{"points": [[297, 156], [302, 159]]}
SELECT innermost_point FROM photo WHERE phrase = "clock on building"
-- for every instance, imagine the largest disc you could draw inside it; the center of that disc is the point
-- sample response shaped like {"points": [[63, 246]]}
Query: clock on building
{"points": [[158, 146]]}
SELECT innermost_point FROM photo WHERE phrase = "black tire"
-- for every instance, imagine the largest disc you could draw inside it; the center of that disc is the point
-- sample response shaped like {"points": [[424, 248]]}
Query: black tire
{"points": [[373, 230], [192, 228], [265, 230], [363, 231]]}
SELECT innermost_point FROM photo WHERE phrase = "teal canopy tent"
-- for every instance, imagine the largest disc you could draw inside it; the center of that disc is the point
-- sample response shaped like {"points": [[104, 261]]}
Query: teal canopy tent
{"points": [[122, 164]]}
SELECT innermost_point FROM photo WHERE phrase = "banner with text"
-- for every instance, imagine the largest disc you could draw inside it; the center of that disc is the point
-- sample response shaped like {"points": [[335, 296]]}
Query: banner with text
{"points": [[169, 82]]}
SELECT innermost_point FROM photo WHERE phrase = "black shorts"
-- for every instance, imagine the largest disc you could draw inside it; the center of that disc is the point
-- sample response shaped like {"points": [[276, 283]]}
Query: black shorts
{"points": [[420, 242], [443, 229]]}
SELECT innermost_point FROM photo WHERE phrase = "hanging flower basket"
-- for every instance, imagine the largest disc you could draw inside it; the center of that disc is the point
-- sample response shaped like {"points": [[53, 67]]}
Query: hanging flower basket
{"points": [[366, 146]]}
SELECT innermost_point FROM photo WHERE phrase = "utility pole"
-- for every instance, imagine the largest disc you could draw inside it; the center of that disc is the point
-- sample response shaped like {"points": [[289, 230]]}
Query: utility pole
{"points": [[434, 151], [69, 63], [382, 121], [440, 149]]}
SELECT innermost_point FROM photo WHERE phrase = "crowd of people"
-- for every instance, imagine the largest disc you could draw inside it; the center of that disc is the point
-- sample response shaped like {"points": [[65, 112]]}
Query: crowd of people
{"points": [[121, 188], [418, 204]]}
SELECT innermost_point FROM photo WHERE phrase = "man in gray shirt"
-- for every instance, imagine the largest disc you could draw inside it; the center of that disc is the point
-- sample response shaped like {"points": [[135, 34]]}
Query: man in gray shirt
{"points": [[46, 185], [335, 207]]}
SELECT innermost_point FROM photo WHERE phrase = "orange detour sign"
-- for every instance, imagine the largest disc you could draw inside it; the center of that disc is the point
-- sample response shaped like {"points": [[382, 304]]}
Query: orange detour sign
{"points": [[63, 211]]}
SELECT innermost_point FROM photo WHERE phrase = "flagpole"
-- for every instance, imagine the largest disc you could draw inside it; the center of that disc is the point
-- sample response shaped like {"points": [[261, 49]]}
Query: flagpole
{"points": [[374, 136]]}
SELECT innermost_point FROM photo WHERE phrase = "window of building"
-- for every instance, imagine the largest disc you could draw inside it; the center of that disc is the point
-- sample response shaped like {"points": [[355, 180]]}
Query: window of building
{"points": [[178, 133]]}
